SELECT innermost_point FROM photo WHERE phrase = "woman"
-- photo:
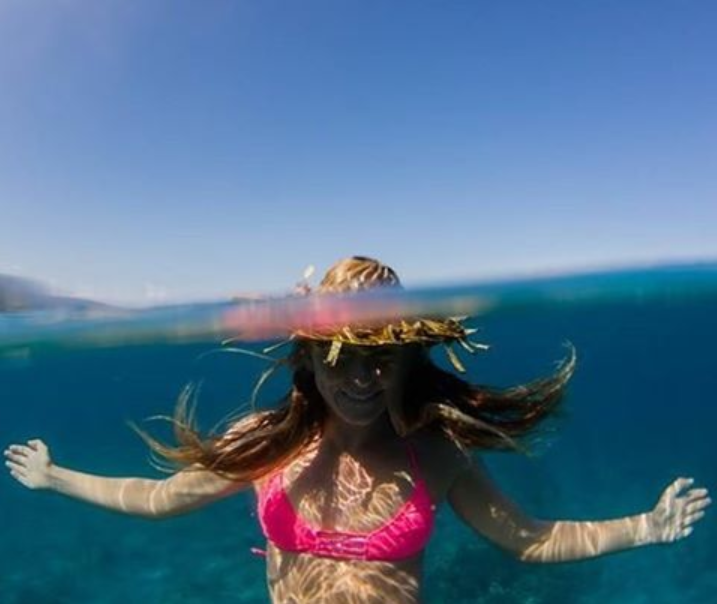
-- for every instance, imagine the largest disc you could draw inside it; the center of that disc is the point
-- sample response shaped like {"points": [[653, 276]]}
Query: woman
{"points": [[350, 468]]}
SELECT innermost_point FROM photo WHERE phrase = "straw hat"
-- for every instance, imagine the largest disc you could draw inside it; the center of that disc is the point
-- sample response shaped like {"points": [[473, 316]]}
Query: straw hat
{"points": [[360, 273]]}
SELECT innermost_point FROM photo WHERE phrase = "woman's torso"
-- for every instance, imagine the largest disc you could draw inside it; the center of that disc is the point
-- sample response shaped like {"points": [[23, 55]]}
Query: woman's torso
{"points": [[366, 492]]}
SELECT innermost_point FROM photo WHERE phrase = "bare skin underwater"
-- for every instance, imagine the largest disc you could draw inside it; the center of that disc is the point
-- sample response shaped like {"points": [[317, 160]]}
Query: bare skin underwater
{"points": [[350, 469]]}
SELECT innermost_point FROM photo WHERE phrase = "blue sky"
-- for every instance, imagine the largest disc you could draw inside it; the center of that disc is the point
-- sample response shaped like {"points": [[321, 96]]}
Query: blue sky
{"points": [[154, 150]]}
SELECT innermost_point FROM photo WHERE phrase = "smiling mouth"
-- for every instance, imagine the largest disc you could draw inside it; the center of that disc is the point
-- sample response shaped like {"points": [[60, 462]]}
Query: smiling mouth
{"points": [[361, 397]]}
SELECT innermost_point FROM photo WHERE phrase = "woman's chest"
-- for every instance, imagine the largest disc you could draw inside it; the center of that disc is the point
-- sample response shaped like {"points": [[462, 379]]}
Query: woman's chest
{"points": [[350, 493]]}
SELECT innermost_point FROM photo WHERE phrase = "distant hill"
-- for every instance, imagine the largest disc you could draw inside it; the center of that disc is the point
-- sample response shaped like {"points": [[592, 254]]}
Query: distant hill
{"points": [[22, 295]]}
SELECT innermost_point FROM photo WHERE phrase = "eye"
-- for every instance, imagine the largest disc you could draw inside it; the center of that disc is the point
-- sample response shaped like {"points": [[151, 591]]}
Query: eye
{"points": [[385, 358]]}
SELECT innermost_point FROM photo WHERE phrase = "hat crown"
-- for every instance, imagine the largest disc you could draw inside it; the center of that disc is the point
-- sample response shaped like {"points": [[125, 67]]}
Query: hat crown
{"points": [[358, 273]]}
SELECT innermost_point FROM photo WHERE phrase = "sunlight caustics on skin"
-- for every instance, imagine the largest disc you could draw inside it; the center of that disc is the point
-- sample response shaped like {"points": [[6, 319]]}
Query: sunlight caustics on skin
{"points": [[670, 521], [148, 498], [358, 502], [302, 579]]}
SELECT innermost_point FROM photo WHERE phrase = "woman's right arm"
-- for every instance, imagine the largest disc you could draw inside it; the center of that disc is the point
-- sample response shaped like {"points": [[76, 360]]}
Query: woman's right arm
{"points": [[189, 489]]}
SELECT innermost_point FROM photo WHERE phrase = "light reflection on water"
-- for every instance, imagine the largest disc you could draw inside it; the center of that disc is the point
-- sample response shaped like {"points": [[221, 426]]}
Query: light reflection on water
{"points": [[36, 319]]}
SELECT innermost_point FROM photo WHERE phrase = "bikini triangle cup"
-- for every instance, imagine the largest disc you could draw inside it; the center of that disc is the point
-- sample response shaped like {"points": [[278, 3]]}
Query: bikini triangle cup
{"points": [[403, 536]]}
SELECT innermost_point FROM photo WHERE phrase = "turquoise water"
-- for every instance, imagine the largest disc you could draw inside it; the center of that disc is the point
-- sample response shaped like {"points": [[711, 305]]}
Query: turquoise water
{"points": [[640, 411]]}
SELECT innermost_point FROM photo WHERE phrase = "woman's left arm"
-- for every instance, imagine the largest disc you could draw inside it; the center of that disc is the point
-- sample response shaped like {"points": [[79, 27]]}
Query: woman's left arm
{"points": [[481, 505]]}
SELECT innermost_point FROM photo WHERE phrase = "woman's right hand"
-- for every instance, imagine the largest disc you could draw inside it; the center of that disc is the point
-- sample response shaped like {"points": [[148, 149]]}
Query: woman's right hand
{"points": [[30, 464]]}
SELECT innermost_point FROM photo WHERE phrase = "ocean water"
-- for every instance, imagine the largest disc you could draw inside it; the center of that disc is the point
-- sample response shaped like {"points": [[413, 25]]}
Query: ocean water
{"points": [[641, 410]]}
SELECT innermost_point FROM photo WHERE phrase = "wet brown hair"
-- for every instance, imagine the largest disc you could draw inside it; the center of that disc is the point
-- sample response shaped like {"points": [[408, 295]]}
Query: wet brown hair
{"points": [[472, 416]]}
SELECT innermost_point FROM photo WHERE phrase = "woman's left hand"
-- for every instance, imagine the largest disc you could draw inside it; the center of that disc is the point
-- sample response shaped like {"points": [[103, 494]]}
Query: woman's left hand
{"points": [[677, 511]]}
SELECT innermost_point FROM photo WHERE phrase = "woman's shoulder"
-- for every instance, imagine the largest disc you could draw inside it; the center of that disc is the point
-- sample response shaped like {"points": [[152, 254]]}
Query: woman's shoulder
{"points": [[437, 444], [441, 459]]}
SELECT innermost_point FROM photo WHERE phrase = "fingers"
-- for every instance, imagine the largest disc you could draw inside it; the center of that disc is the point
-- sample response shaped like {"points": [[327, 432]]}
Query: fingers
{"points": [[694, 503], [694, 493], [18, 450], [21, 478], [16, 464], [694, 500], [26, 463], [693, 517], [15, 467], [37, 445], [675, 490], [679, 485], [17, 453], [33, 446], [679, 509], [18, 473], [695, 506], [18, 458], [697, 499]]}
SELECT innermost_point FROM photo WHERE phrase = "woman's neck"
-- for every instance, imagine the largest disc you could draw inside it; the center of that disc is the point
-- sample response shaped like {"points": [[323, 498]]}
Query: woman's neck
{"points": [[342, 437]]}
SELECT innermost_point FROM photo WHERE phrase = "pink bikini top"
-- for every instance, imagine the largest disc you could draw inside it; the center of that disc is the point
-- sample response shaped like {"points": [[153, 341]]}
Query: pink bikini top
{"points": [[403, 536]]}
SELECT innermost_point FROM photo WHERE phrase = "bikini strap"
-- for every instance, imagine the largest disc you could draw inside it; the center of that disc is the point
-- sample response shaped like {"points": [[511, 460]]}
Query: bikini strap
{"points": [[419, 483], [413, 460]]}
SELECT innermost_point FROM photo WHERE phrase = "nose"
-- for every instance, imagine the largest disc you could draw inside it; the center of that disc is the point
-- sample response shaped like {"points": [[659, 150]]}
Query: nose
{"points": [[363, 374]]}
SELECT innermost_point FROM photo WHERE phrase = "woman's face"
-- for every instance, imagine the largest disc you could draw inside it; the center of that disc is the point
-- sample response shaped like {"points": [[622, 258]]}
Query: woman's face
{"points": [[362, 384]]}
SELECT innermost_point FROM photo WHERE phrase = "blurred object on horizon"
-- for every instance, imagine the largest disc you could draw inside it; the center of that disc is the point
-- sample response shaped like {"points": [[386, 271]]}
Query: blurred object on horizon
{"points": [[18, 294], [32, 317]]}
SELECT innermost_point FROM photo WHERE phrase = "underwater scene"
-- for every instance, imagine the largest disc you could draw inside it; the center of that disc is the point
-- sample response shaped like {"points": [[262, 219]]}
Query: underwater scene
{"points": [[640, 411]]}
